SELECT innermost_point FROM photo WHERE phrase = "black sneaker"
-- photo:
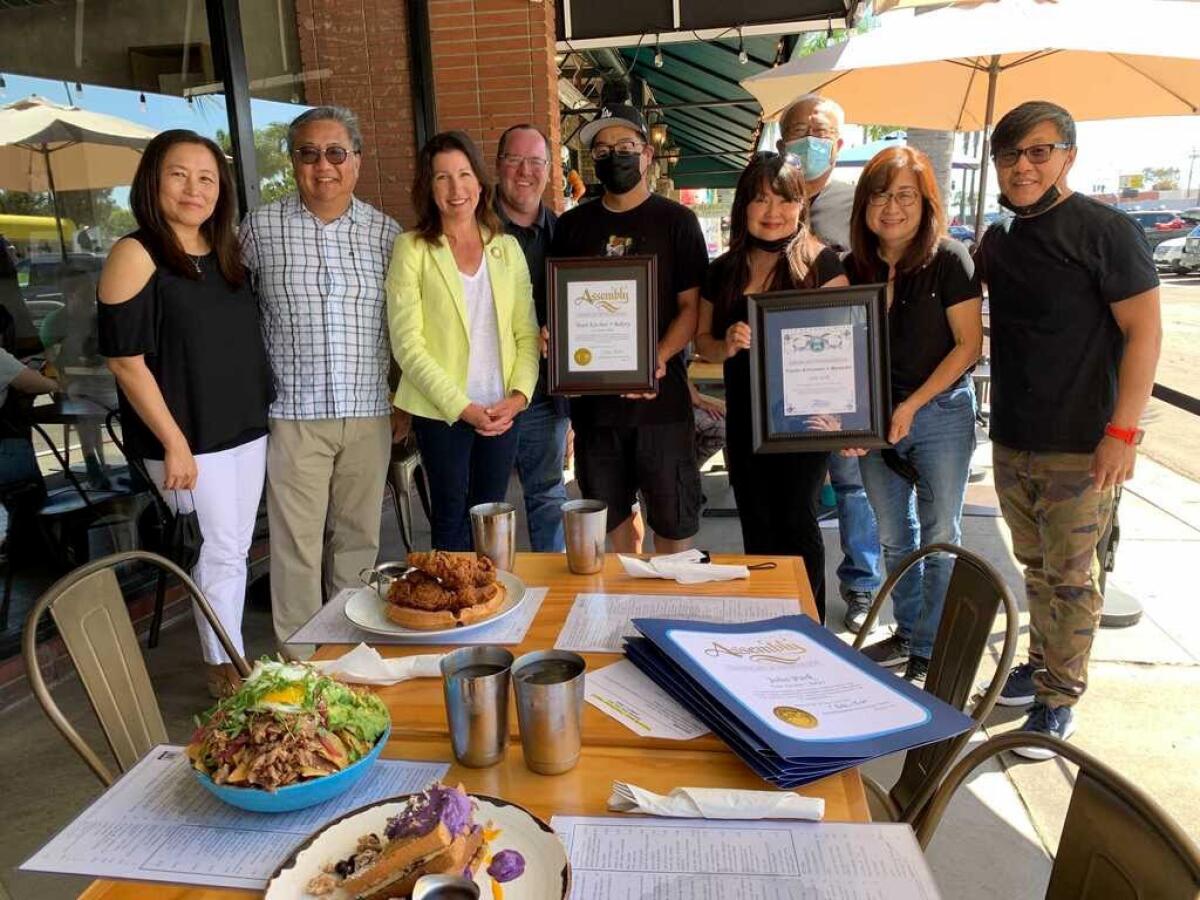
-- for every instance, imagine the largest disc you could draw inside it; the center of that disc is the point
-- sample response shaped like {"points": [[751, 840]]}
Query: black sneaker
{"points": [[916, 669], [1055, 721], [890, 652], [858, 604], [1019, 689]]}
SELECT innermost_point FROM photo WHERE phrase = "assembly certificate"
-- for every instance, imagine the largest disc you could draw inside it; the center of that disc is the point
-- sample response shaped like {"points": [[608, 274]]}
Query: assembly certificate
{"points": [[818, 370], [602, 332], [798, 688]]}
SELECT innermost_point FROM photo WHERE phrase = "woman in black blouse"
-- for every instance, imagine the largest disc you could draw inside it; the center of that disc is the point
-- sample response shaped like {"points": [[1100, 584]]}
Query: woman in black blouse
{"points": [[935, 329], [770, 249], [179, 325]]}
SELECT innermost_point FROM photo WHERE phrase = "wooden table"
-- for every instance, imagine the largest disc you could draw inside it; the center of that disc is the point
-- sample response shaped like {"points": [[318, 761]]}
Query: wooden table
{"points": [[610, 750]]}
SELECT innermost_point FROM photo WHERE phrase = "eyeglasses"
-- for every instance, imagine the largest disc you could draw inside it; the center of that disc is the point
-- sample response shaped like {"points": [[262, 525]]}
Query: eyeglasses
{"points": [[1035, 153], [536, 163], [335, 155], [628, 147], [904, 197], [802, 131]]}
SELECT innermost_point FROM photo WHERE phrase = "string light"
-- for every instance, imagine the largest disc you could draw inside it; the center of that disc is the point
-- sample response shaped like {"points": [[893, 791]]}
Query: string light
{"points": [[3, 86], [142, 101], [78, 87], [743, 56], [658, 57]]}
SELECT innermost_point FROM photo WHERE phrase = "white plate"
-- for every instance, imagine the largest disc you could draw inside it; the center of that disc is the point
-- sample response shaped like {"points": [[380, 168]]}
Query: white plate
{"points": [[547, 873], [365, 610]]}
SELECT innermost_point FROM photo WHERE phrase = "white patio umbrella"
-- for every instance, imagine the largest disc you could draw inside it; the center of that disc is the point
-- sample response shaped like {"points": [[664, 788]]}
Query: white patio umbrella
{"points": [[48, 147], [952, 69]]}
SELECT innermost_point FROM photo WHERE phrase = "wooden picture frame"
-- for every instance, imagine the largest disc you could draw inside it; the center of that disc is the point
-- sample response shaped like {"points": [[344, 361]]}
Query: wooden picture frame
{"points": [[602, 315], [820, 370]]}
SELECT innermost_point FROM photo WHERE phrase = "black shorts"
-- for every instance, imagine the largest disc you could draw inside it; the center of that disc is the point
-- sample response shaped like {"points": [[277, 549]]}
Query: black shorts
{"points": [[613, 463]]}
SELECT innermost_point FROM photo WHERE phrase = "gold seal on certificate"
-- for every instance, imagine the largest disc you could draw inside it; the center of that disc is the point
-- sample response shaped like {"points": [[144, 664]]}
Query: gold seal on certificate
{"points": [[602, 319], [796, 717]]}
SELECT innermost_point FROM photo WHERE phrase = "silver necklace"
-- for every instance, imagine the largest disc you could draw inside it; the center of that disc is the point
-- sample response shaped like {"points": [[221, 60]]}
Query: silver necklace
{"points": [[195, 262]]}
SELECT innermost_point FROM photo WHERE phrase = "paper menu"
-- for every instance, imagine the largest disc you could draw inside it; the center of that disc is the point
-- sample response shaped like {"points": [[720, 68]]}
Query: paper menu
{"points": [[157, 823], [624, 693], [599, 623], [623, 859]]}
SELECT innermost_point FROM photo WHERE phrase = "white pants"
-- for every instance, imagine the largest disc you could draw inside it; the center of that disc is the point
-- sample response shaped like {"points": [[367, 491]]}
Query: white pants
{"points": [[228, 489]]}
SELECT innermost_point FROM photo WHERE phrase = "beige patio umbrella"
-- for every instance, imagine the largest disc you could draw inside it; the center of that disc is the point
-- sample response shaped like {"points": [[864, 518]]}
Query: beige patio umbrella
{"points": [[48, 147], [953, 69]]}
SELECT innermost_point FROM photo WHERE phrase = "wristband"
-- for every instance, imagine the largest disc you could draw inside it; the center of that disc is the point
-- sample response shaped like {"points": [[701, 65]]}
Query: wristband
{"points": [[1130, 436]]}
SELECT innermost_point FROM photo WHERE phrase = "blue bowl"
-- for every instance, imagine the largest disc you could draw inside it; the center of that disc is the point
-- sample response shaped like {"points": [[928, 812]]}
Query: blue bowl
{"points": [[295, 796]]}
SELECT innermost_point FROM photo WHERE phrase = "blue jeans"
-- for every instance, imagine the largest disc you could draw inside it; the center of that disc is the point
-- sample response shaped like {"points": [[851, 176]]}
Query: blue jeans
{"points": [[939, 446], [463, 468], [541, 442], [859, 570]]}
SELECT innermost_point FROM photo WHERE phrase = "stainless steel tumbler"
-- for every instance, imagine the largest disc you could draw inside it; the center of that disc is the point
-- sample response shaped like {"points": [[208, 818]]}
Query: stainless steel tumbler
{"points": [[494, 528], [585, 525], [475, 683], [549, 688]]}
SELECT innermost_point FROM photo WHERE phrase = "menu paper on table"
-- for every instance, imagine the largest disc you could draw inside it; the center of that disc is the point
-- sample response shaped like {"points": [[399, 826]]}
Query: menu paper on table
{"points": [[330, 625], [599, 623], [157, 823], [696, 859], [624, 693]]}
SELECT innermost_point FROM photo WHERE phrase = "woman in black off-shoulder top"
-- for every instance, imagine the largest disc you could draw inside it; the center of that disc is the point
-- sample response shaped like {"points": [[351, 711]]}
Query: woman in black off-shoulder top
{"points": [[179, 325]]}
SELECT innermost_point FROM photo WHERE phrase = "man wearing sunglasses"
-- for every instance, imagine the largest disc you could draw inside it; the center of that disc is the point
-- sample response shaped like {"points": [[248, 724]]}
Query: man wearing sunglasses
{"points": [[522, 172], [1076, 332], [317, 260]]}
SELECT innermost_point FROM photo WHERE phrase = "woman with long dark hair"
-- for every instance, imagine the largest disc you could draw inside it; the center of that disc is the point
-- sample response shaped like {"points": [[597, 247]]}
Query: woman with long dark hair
{"points": [[935, 330], [771, 248], [179, 325], [460, 307]]}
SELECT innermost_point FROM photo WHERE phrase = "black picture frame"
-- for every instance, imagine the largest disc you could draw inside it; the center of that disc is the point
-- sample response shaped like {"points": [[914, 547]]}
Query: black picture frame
{"points": [[854, 318], [564, 375]]}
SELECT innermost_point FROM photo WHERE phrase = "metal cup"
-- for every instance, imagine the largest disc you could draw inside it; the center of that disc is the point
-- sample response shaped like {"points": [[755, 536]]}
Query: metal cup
{"points": [[549, 688], [475, 683], [585, 524], [494, 528], [445, 887]]}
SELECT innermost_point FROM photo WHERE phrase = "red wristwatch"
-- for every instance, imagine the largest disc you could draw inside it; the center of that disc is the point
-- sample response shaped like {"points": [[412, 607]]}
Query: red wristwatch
{"points": [[1130, 436]]}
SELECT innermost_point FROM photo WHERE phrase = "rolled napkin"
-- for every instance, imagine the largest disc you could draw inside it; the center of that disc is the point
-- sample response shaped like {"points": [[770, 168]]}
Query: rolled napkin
{"points": [[364, 665], [685, 568], [715, 803]]}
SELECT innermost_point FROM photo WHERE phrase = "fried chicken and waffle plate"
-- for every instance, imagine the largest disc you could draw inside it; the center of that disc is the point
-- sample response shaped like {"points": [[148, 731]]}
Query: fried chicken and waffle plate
{"points": [[437, 593]]}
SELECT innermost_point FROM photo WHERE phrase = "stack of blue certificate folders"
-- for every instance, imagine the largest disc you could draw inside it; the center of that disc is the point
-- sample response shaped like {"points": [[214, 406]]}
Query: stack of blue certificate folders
{"points": [[787, 696]]}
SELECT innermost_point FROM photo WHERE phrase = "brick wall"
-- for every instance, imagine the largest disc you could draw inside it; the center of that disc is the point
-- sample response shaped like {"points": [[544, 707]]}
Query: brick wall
{"points": [[361, 47], [494, 66]]}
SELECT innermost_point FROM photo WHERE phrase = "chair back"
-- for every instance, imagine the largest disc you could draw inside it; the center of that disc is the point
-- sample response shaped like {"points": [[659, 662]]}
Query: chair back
{"points": [[1116, 843], [975, 592], [89, 610]]}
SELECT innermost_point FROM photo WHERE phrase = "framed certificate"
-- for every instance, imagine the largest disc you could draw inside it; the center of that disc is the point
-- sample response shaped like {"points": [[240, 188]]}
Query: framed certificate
{"points": [[820, 375], [602, 314]]}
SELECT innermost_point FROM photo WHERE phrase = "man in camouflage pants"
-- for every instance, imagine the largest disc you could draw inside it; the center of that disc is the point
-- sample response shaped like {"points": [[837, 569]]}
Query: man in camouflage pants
{"points": [[1076, 332]]}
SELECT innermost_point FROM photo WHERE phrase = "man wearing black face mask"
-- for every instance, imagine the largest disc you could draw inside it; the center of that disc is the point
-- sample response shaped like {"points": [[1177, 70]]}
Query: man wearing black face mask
{"points": [[1076, 332], [626, 445]]}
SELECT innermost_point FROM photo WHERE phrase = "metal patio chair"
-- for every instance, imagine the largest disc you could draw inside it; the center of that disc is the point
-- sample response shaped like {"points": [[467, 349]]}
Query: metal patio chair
{"points": [[1116, 842], [975, 592], [90, 613]]}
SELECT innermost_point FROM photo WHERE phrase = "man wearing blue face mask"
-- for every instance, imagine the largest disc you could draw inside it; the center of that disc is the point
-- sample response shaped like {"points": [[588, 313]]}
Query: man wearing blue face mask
{"points": [[810, 131]]}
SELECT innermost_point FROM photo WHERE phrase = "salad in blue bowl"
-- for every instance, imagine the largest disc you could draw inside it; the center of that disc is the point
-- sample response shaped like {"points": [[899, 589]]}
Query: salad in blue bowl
{"points": [[289, 738]]}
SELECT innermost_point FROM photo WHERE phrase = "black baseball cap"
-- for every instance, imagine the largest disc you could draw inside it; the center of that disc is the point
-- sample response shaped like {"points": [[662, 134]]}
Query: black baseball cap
{"points": [[614, 114]]}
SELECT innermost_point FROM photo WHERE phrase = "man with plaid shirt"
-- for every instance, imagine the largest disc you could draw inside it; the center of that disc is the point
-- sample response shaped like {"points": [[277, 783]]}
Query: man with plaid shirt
{"points": [[318, 260]]}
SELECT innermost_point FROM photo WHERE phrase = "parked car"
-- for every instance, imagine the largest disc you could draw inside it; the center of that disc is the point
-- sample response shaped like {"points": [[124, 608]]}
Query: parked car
{"points": [[1164, 224], [963, 233], [1168, 256], [41, 275], [1191, 251]]}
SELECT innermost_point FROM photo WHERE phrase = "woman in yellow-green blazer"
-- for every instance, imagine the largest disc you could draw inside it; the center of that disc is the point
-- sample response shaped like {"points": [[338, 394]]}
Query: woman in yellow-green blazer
{"points": [[464, 332]]}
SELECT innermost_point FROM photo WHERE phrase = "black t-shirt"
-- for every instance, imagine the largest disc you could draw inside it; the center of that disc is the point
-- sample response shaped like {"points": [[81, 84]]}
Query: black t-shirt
{"points": [[1055, 344], [203, 344], [919, 333], [535, 242], [656, 227], [729, 306]]}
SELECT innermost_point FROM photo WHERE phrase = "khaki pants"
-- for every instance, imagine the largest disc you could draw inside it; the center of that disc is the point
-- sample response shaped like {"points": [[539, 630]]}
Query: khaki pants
{"points": [[1057, 518], [322, 471]]}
